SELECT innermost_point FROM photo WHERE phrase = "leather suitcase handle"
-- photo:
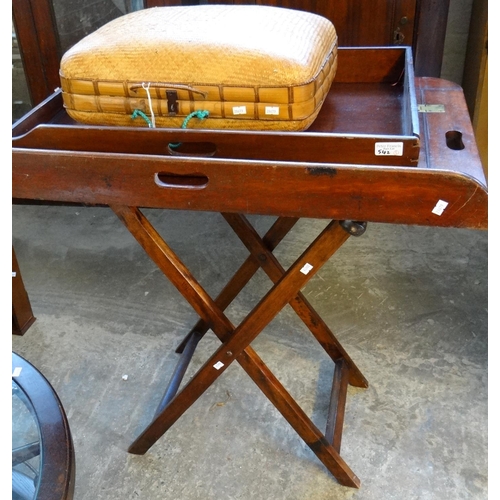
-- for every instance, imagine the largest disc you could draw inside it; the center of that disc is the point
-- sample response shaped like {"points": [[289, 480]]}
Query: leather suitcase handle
{"points": [[168, 86]]}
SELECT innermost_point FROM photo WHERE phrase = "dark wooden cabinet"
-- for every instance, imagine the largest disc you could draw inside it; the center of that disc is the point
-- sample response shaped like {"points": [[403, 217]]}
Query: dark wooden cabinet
{"points": [[38, 46], [373, 22], [420, 24], [22, 314]]}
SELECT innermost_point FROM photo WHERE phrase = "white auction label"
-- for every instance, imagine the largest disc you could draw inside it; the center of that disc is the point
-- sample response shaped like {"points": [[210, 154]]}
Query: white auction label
{"points": [[306, 268], [17, 371], [388, 149], [218, 365], [439, 208], [239, 110], [272, 110]]}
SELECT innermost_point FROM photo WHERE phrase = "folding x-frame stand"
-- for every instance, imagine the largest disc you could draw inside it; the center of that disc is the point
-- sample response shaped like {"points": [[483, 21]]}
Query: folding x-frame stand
{"points": [[236, 340]]}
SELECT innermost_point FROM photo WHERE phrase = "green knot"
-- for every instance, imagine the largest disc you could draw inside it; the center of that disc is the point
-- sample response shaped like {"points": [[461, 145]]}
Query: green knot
{"points": [[201, 114], [138, 112]]}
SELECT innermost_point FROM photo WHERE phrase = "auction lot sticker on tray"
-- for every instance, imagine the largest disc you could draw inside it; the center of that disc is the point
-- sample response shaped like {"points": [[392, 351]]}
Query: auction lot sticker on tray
{"points": [[388, 149]]}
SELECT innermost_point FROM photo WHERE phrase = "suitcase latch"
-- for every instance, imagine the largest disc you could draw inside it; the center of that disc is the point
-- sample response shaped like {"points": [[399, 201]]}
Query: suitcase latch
{"points": [[172, 104]]}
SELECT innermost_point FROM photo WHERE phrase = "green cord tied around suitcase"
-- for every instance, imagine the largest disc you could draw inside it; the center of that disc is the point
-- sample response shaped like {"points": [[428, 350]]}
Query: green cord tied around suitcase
{"points": [[202, 114], [138, 112]]}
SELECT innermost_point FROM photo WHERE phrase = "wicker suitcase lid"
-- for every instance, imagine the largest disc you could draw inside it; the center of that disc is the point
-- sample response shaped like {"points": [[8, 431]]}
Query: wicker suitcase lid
{"points": [[248, 45]]}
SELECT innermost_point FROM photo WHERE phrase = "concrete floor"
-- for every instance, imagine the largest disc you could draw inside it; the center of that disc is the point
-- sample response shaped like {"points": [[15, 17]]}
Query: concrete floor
{"points": [[409, 304]]}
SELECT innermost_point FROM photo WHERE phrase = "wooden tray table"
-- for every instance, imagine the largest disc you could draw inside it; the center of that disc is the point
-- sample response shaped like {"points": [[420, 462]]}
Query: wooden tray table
{"points": [[386, 147]]}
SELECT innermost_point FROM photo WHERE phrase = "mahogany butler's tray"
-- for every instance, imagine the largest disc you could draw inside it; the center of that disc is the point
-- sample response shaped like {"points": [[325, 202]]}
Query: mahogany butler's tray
{"points": [[386, 147], [370, 155]]}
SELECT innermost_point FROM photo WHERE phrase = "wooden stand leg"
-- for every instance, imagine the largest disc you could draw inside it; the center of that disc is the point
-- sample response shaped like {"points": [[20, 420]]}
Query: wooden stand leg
{"points": [[273, 237], [300, 305], [305, 428], [335, 420], [235, 341]]}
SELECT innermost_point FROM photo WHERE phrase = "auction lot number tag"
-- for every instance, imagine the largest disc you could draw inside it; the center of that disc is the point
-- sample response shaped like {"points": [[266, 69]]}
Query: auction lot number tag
{"points": [[388, 149]]}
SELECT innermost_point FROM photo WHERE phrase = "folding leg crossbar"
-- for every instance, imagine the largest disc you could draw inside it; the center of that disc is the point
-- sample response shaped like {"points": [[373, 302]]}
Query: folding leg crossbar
{"points": [[236, 340]]}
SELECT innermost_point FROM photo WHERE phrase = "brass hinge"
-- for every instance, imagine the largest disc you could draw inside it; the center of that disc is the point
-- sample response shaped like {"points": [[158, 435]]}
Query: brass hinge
{"points": [[431, 108]]}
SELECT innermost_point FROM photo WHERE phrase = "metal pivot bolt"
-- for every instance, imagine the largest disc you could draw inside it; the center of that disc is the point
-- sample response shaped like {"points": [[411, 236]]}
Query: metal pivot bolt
{"points": [[353, 227]]}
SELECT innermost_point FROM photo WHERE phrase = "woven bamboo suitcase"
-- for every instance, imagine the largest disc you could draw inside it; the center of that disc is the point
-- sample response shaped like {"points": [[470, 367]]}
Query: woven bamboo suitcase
{"points": [[248, 67]]}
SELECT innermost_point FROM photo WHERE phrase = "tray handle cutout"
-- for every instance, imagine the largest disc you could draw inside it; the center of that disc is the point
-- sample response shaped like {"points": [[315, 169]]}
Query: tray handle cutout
{"points": [[454, 140], [204, 149], [181, 181]]}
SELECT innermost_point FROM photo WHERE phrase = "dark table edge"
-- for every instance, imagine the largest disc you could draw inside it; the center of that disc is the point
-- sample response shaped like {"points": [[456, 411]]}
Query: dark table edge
{"points": [[58, 473]]}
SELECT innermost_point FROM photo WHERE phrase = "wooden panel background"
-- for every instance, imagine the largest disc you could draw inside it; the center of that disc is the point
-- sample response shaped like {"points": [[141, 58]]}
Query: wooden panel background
{"points": [[417, 23], [371, 23]]}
